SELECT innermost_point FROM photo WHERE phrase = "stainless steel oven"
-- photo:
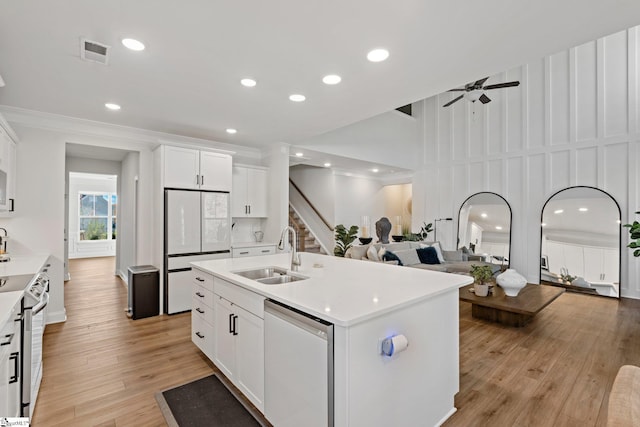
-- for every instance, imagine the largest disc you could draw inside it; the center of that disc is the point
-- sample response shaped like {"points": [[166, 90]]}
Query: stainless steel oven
{"points": [[36, 298]]}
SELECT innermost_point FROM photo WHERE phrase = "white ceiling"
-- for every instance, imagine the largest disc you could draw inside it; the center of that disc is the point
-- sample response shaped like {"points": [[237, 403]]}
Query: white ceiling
{"points": [[187, 80]]}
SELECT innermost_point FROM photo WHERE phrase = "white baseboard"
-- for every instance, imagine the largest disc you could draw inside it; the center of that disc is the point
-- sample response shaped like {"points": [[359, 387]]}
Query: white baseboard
{"points": [[57, 316], [124, 277]]}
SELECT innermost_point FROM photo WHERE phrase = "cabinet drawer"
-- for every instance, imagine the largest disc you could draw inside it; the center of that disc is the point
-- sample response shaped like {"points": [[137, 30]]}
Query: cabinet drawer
{"points": [[199, 308], [205, 296], [202, 279], [253, 251], [248, 300], [202, 335]]}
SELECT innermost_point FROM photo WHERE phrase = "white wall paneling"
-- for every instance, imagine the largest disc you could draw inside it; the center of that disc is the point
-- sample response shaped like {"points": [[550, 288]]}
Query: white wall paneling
{"points": [[572, 121]]}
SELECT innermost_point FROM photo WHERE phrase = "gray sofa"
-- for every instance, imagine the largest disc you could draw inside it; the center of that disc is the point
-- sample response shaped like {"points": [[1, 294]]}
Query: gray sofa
{"points": [[449, 261]]}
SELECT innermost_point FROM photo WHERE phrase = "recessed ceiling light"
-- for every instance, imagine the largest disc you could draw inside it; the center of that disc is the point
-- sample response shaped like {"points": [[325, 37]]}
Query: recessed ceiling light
{"points": [[378, 55], [327, 165], [112, 106], [331, 79], [498, 227], [133, 44], [483, 215], [296, 97], [375, 170], [231, 131], [583, 209], [327, 309], [618, 221], [558, 211], [544, 224], [248, 82], [299, 154]]}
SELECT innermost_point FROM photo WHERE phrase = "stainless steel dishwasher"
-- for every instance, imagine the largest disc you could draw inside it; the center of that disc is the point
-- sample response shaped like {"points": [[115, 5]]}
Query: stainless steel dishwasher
{"points": [[298, 361]]}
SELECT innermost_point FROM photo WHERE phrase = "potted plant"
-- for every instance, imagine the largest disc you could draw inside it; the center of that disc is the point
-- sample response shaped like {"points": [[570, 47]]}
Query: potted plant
{"points": [[482, 275], [421, 235], [634, 232], [344, 239]]}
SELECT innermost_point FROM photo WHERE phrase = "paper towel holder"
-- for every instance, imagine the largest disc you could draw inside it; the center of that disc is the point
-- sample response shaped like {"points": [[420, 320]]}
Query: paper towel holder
{"points": [[393, 344]]}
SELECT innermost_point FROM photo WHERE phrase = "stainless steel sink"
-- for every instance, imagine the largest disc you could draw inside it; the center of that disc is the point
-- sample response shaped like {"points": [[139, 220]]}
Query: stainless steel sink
{"points": [[278, 280], [270, 275]]}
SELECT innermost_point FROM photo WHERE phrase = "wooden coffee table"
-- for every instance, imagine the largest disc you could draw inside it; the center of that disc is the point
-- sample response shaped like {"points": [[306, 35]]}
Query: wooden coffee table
{"points": [[511, 311]]}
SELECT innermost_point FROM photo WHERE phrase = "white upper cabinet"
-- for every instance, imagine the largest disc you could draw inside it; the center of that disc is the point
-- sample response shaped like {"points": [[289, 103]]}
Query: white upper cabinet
{"points": [[7, 172], [196, 170], [249, 193]]}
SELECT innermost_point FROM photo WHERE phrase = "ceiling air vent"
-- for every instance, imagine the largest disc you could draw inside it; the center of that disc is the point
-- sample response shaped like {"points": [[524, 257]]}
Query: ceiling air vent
{"points": [[94, 51]]}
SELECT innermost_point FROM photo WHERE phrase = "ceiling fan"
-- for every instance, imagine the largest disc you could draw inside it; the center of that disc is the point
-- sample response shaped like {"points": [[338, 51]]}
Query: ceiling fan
{"points": [[475, 91]]}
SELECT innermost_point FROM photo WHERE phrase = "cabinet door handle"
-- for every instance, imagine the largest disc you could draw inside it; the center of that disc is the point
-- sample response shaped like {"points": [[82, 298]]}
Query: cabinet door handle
{"points": [[12, 208], [246, 211], [200, 335], [199, 294], [199, 310], [8, 341], [235, 332], [230, 324], [249, 209], [201, 179], [14, 378], [199, 279]]}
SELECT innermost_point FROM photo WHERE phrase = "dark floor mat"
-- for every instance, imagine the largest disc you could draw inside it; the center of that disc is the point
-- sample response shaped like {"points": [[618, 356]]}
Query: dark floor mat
{"points": [[205, 402]]}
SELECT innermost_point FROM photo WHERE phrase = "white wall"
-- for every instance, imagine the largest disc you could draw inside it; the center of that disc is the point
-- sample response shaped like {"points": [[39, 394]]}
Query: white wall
{"points": [[77, 184], [318, 183], [574, 120], [127, 208], [38, 223]]}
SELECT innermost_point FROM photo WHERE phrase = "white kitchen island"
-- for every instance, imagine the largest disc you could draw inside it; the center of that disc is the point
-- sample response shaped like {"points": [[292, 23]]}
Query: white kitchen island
{"points": [[366, 302]]}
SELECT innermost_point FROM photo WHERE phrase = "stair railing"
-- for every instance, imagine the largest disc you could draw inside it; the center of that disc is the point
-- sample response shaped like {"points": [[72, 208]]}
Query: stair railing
{"points": [[300, 232], [317, 212]]}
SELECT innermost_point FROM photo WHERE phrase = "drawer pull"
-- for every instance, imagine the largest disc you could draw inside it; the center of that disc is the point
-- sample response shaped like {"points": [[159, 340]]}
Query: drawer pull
{"points": [[266, 251], [200, 335], [199, 310], [199, 294], [9, 339], [244, 253], [199, 279]]}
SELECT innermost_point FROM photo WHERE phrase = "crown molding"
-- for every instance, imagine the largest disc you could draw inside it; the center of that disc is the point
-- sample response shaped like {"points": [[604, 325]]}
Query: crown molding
{"points": [[92, 128]]}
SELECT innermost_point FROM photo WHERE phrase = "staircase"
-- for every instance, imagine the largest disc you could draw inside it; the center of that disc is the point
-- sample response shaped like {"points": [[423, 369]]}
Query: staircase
{"points": [[306, 241]]}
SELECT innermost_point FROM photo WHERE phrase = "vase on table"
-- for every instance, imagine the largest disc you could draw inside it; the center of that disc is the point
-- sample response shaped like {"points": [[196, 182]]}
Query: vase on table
{"points": [[511, 282]]}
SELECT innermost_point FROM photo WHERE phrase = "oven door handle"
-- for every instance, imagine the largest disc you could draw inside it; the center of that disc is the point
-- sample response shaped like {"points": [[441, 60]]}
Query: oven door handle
{"points": [[42, 304]]}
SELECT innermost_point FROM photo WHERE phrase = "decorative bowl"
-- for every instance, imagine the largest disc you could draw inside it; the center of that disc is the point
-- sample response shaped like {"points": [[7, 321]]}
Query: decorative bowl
{"points": [[365, 240], [397, 238]]}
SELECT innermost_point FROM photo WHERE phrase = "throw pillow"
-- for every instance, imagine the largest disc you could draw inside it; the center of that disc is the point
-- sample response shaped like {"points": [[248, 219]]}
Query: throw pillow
{"points": [[381, 252], [408, 256], [390, 256], [372, 254], [438, 249], [358, 251], [453, 256], [428, 255]]}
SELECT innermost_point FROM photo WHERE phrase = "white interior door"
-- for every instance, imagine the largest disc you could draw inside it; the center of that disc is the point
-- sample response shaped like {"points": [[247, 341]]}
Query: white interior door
{"points": [[183, 222]]}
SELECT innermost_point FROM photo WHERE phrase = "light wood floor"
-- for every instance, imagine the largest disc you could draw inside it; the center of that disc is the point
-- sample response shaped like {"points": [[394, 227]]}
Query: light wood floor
{"points": [[102, 369]]}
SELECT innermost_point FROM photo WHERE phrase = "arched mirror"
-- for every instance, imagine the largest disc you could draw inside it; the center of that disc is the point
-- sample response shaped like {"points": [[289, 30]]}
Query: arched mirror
{"points": [[484, 227], [580, 243]]}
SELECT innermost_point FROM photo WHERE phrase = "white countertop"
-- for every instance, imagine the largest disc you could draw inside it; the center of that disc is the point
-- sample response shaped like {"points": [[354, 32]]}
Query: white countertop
{"points": [[22, 264], [251, 244], [344, 291]]}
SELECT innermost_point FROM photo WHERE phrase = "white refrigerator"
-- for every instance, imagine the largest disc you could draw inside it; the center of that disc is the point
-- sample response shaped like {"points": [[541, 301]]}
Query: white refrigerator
{"points": [[197, 228]]}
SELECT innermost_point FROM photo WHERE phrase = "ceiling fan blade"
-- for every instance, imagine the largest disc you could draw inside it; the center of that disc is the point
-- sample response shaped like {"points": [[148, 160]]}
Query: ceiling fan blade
{"points": [[457, 90], [484, 98], [453, 100], [500, 85], [478, 84]]}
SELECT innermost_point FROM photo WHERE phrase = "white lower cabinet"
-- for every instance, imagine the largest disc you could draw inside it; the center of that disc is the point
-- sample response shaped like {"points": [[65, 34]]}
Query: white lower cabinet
{"points": [[239, 339], [202, 312], [10, 392], [239, 252]]}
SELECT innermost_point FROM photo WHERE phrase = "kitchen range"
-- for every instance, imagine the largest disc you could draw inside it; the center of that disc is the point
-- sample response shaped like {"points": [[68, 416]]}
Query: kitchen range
{"points": [[317, 340], [23, 299]]}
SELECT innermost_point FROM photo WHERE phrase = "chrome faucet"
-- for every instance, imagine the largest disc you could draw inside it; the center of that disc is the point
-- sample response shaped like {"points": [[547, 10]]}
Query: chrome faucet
{"points": [[295, 256]]}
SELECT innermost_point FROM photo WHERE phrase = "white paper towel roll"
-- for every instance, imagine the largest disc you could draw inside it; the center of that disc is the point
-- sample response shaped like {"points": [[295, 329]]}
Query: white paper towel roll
{"points": [[395, 344]]}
